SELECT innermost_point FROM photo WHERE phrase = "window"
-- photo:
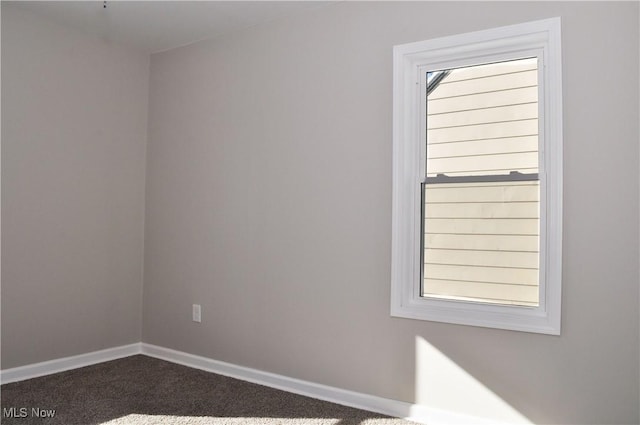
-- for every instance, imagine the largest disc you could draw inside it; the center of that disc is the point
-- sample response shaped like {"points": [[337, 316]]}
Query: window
{"points": [[477, 202], [481, 189]]}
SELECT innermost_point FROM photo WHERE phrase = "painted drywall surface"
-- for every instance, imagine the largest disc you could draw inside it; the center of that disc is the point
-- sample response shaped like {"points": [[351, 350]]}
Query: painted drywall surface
{"points": [[73, 154], [269, 203]]}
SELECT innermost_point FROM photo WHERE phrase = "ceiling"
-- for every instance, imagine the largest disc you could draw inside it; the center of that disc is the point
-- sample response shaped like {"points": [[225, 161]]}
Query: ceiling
{"points": [[155, 26]]}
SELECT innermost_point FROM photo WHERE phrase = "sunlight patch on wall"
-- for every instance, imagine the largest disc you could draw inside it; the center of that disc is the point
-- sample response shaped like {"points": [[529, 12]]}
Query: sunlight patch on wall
{"points": [[441, 384]]}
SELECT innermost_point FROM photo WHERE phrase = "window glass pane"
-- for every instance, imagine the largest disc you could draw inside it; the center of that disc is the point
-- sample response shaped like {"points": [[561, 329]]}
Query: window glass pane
{"points": [[483, 119], [481, 242], [481, 239]]}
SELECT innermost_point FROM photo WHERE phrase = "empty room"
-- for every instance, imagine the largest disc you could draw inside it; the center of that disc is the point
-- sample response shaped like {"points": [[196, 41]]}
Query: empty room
{"points": [[320, 212]]}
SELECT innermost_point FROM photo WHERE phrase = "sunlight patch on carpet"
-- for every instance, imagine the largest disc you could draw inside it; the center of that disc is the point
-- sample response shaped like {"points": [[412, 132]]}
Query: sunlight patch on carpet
{"points": [[138, 419]]}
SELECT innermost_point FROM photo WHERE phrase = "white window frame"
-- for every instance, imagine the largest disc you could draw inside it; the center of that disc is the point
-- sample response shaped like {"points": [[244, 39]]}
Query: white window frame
{"points": [[410, 61]]}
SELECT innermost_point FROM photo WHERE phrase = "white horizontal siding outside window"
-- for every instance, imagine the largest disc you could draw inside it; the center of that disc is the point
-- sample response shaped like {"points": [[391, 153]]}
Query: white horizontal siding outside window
{"points": [[477, 191], [481, 239]]}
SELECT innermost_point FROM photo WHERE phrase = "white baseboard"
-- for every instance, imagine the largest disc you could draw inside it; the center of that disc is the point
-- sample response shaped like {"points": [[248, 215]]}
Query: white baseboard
{"points": [[400, 409], [66, 363]]}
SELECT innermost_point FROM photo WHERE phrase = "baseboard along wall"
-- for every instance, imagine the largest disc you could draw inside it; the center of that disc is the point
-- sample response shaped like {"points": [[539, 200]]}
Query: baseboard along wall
{"points": [[400, 409], [67, 363]]}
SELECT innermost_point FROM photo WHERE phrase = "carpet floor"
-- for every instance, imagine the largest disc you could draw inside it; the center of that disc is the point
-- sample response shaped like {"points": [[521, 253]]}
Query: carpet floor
{"points": [[141, 390]]}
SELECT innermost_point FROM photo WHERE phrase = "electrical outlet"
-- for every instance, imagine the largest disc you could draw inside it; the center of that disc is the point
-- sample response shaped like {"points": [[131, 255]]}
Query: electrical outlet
{"points": [[197, 313]]}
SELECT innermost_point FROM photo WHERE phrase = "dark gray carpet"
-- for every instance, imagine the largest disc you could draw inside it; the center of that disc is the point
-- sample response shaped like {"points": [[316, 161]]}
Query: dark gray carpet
{"points": [[143, 390]]}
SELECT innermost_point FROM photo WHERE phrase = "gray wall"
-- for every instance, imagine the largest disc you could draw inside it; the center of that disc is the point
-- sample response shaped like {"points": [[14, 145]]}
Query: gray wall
{"points": [[269, 203], [74, 115]]}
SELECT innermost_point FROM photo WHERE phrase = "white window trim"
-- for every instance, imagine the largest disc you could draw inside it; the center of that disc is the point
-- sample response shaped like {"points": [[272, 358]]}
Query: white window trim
{"points": [[541, 39]]}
